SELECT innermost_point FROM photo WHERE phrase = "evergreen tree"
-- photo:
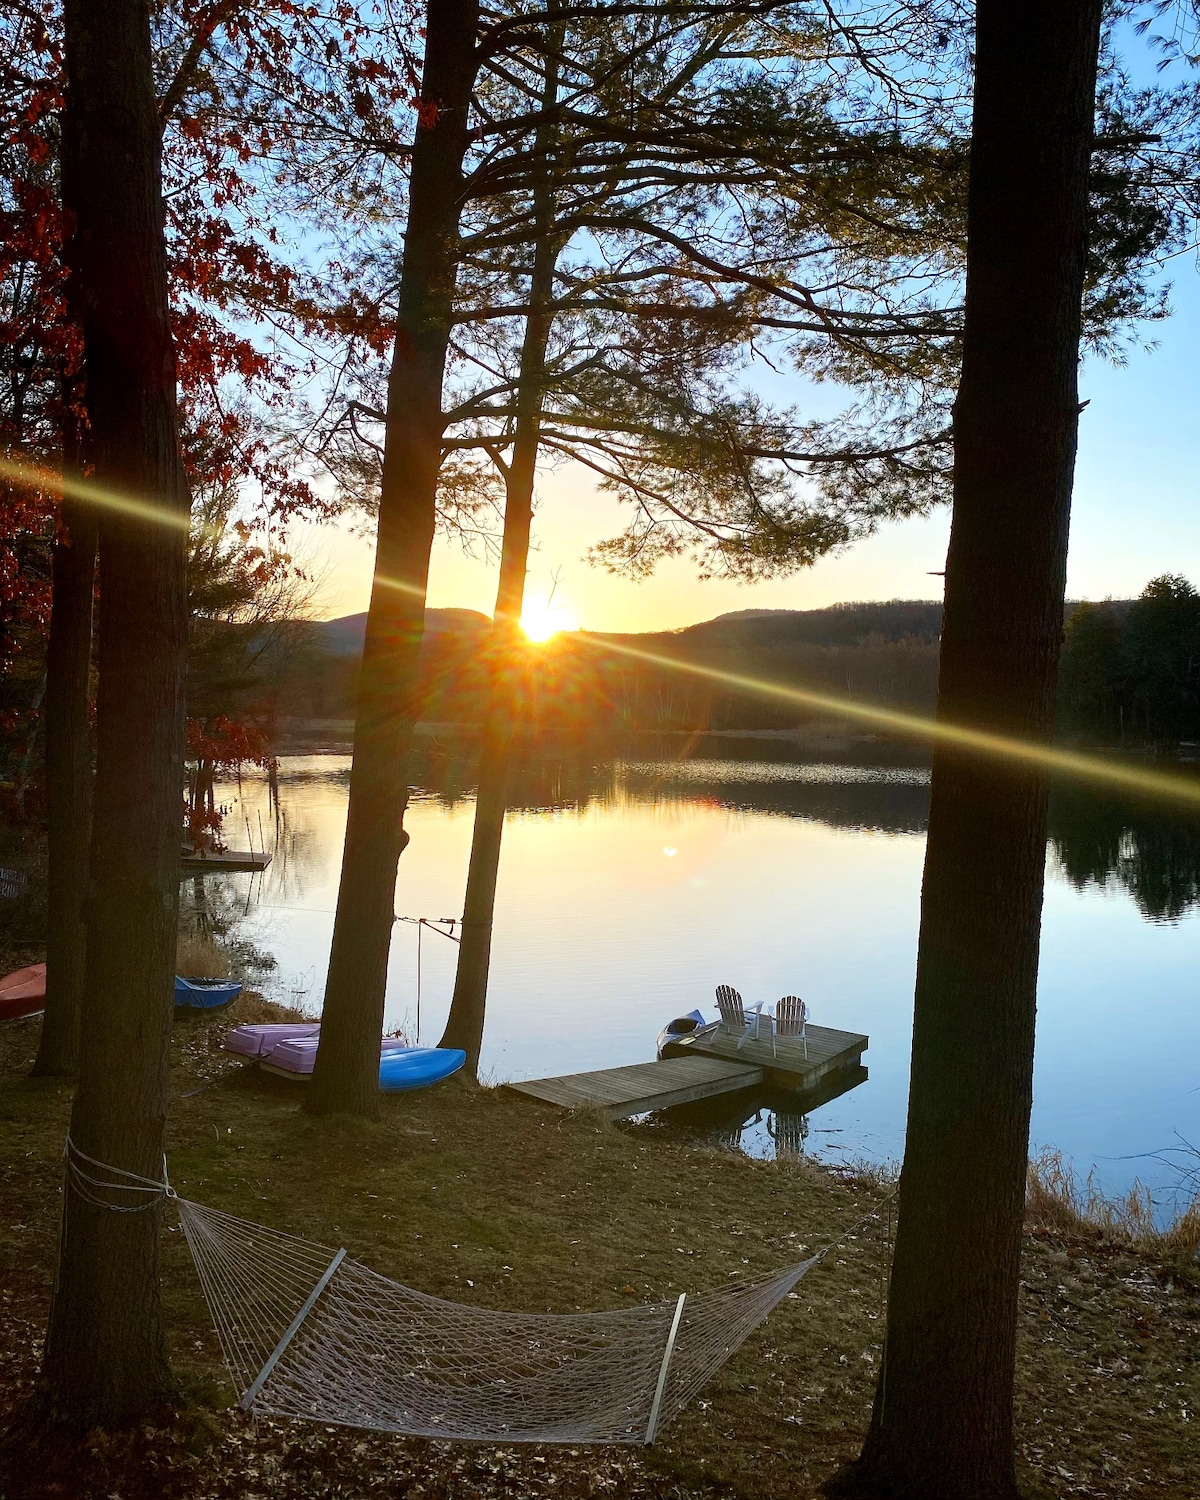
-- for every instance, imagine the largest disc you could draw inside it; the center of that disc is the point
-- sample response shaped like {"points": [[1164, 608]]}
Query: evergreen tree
{"points": [[942, 1424], [1162, 659]]}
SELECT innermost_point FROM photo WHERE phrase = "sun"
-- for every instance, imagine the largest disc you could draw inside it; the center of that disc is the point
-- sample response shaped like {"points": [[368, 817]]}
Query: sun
{"points": [[543, 618]]}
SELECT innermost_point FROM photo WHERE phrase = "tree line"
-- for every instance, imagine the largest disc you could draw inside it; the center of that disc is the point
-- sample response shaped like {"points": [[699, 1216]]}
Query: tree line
{"points": [[1129, 674], [1131, 669], [561, 231]]}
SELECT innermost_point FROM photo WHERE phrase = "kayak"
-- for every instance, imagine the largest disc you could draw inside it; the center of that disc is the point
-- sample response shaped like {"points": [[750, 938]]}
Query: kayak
{"points": [[205, 994], [680, 1027], [418, 1067], [290, 1050], [23, 992], [261, 1041]]}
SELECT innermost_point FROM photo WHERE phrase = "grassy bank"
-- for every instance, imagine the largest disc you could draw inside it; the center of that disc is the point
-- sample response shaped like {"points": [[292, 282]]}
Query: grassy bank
{"points": [[487, 1198]]}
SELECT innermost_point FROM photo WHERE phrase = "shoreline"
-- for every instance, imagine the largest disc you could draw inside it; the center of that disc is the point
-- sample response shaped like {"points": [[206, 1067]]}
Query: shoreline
{"points": [[481, 1197]]}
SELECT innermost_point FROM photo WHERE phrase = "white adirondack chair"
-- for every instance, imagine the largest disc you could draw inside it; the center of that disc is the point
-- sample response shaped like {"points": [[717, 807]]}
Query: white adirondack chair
{"points": [[733, 1014], [791, 1019]]}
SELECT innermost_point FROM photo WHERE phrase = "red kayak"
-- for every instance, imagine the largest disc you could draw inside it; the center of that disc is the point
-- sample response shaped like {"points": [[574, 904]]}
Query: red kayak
{"points": [[23, 992]]}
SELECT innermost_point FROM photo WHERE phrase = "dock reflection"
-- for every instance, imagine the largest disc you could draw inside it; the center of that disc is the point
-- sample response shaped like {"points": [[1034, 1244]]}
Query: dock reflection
{"points": [[782, 1115]]}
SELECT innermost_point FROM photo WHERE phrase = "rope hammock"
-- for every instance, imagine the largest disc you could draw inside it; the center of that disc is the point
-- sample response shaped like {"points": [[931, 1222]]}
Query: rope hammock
{"points": [[309, 1333]]}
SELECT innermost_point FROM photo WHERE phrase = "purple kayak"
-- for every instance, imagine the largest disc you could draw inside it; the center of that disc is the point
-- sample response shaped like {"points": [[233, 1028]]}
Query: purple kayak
{"points": [[261, 1041], [297, 1055], [290, 1050]]}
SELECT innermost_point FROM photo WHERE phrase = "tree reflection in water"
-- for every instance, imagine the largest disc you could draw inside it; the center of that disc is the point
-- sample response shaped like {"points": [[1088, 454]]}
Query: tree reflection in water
{"points": [[1148, 849]]}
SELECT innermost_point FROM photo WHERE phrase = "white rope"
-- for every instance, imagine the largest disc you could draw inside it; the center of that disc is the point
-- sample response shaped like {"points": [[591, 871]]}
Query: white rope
{"points": [[88, 1185], [308, 1333]]}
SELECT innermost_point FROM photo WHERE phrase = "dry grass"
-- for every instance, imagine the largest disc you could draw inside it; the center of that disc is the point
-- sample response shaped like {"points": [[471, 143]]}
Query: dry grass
{"points": [[479, 1195], [201, 957], [1057, 1198]]}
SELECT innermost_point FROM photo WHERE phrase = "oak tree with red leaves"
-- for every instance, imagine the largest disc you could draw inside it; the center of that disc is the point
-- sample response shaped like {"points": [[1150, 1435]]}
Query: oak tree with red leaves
{"points": [[223, 262]]}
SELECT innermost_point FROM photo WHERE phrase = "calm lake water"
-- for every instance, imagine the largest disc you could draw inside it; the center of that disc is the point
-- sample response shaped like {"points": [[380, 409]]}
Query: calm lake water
{"points": [[629, 888]]}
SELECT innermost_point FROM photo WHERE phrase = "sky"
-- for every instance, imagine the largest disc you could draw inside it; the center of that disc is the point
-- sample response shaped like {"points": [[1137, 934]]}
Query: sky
{"points": [[1136, 514]]}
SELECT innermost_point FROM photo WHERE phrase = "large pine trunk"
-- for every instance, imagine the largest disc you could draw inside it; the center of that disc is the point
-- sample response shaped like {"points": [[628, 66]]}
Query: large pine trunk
{"points": [[468, 1007], [105, 1362], [942, 1422], [346, 1075], [68, 781]]}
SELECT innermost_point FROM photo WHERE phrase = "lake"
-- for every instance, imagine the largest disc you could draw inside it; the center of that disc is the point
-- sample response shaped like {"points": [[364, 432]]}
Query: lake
{"points": [[630, 887]]}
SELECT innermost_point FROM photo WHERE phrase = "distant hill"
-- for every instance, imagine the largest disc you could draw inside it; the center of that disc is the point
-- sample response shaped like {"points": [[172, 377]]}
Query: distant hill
{"points": [[837, 625], [344, 636], [756, 669]]}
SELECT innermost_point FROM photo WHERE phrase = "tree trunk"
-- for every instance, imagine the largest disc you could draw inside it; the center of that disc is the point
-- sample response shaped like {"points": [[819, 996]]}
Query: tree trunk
{"points": [[942, 1421], [346, 1075], [105, 1362], [464, 1025], [68, 781]]}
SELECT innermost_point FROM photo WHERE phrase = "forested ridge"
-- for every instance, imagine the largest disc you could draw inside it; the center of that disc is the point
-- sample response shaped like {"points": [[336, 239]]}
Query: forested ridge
{"points": [[1130, 671]]}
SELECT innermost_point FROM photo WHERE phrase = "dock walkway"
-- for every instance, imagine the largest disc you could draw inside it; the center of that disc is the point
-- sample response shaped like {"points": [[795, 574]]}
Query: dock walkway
{"points": [[641, 1087], [703, 1065]]}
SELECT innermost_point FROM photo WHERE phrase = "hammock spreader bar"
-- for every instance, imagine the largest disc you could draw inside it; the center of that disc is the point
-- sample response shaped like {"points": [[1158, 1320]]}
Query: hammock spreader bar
{"points": [[276, 1354], [652, 1424]]}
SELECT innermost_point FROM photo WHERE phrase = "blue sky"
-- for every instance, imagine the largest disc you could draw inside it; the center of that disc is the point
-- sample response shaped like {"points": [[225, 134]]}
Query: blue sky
{"points": [[1136, 514]]}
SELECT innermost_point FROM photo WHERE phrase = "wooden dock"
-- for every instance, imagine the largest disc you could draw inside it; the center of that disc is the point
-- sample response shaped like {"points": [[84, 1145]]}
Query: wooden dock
{"points": [[788, 1064], [705, 1064], [221, 862], [642, 1087]]}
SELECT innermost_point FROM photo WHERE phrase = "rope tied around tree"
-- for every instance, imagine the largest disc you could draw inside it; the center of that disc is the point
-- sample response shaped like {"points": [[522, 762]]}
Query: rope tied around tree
{"points": [[87, 1184]]}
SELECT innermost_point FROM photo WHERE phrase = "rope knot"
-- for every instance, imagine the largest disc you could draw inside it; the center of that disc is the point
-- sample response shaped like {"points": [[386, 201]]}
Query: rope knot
{"points": [[105, 1186]]}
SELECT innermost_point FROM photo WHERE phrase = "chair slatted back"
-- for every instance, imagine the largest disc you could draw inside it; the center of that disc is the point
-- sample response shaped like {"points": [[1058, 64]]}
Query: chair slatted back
{"points": [[729, 1003], [791, 1014]]}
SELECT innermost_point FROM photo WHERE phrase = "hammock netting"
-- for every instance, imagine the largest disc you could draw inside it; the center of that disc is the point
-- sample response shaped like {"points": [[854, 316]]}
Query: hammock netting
{"points": [[309, 1333]]}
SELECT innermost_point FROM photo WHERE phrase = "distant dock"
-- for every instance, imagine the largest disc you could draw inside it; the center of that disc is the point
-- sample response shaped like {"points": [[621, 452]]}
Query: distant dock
{"points": [[223, 862], [701, 1066]]}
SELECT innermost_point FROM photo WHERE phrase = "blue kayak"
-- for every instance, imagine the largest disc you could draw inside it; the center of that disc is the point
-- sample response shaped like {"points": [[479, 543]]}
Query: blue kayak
{"points": [[205, 994], [418, 1067]]}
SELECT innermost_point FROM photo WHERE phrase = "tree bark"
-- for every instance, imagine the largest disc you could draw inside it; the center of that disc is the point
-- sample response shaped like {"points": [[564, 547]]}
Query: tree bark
{"points": [[468, 1007], [68, 731], [105, 1362], [346, 1074], [68, 778], [942, 1422]]}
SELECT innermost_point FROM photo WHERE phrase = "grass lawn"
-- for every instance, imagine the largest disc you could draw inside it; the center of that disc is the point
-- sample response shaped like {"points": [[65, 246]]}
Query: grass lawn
{"points": [[485, 1197]]}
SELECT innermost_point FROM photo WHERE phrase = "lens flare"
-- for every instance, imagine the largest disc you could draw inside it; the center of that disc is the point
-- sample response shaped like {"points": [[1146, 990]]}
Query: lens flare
{"points": [[18, 471], [1093, 768], [542, 618]]}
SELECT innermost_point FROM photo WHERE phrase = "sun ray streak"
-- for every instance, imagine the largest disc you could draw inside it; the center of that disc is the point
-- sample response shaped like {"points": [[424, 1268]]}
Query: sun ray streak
{"points": [[37, 476], [1043, 757], [1072, 763]]}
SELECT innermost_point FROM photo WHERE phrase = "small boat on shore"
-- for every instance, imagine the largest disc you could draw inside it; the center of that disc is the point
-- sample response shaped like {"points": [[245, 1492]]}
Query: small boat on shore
{"points": [[23, 992], [290, 1050], [261, 1041], [193, 993], [402, 1068], [681, 1026]]}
